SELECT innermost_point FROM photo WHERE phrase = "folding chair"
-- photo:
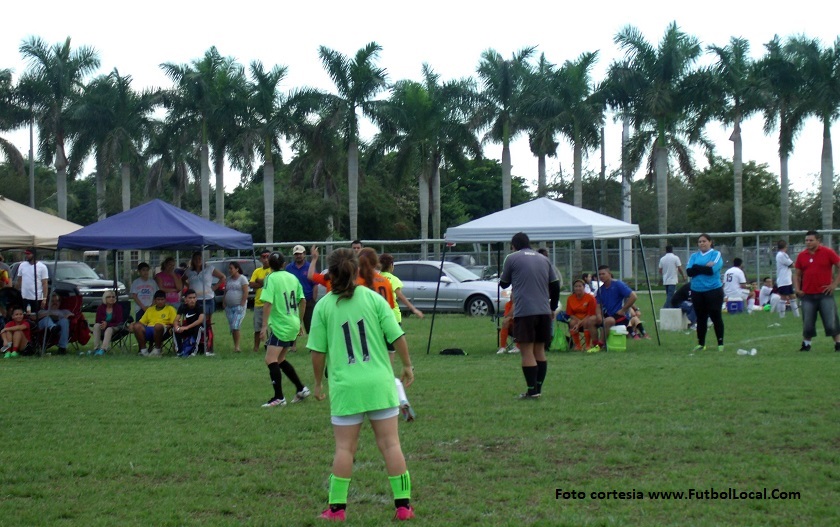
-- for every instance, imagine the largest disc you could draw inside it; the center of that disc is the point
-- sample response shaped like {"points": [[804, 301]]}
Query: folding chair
{"points": [[46, 338], [123, 338]]}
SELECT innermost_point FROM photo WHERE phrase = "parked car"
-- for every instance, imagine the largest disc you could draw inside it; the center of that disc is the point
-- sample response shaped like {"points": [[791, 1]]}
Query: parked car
{"points": [[79, 275], [461, 290], [485, 272], [248, 265]]}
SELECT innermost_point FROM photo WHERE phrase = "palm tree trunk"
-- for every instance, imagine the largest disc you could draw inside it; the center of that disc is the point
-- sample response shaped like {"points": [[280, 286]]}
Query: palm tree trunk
{"points": [[661, 170], [353, 187], [577, 198], [330, 217], [626, 200], [738, 177], [219, 169], [61, 180], [827, 182], [541, 190], [268, 199], [506, 168], [204, 183], [125, 178], [423, 197], [436, 208], [784, 205], [100, 191]]}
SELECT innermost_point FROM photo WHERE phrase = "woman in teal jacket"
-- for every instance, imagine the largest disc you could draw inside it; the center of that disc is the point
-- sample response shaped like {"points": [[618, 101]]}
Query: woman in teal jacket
{"points": [[706, 290]]}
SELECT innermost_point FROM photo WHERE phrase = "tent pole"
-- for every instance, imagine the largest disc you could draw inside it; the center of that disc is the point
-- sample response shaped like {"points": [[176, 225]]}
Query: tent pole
{"points": [[650, 292], [598, 292], [499, 316], [437, 291]]}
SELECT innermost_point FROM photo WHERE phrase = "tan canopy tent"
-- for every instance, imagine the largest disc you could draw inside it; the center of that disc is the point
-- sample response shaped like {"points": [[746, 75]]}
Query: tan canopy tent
{"points": [[22, 226]]}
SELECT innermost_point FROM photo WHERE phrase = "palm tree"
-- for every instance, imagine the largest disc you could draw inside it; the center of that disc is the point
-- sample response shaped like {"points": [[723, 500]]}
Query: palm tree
{"points": [[12, 116], [199, 95], [501, 109], [426, 124], [542, 126], [59, 72], [781, 86], [172, 151], [357, 82], [821, 68], [735, 99], [665, 93], [113, 120]]}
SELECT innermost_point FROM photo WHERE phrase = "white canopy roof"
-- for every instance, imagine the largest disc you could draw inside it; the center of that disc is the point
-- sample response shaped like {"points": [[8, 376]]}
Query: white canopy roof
{"points": [[22, 226], [542, 219]]}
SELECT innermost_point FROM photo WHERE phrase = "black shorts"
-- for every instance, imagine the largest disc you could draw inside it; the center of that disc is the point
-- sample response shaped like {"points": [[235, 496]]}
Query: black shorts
{"points": [[786, 290], [533, 328], [274, 341]]}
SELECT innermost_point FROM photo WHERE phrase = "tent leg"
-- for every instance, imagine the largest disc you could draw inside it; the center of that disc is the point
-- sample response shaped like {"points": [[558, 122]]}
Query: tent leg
{"points": [[437, 291], [650, 292], [598, 292]]}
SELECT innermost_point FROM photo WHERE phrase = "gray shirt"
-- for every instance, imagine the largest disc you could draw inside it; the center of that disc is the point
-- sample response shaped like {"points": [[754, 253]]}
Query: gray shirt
{"points": [[233, 291], [529, 273]]}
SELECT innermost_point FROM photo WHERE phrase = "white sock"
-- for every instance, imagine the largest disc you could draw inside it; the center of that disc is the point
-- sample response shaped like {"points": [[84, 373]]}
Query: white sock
{"points": [[794, 306]]}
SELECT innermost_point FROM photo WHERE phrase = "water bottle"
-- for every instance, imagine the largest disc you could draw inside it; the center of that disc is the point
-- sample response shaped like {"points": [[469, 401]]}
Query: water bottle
{"points": [[753, 352], [743, 352]]}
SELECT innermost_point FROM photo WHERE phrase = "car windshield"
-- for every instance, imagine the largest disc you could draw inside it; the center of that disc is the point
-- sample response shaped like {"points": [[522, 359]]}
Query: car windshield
{"points": [[459, 273], [72, 271]]}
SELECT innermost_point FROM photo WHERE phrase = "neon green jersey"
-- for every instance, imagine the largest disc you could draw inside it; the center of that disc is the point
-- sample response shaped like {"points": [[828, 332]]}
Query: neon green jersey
{"points": [[396, 283], [352, 333], [283, 291]]}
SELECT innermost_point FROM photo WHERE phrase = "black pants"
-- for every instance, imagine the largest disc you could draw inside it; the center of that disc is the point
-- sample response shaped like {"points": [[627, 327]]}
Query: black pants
{"points": [[707, 305]]}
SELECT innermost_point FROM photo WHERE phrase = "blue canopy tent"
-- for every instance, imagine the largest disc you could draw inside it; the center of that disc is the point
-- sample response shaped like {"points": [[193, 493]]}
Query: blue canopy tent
{"points": [[155, 225]]}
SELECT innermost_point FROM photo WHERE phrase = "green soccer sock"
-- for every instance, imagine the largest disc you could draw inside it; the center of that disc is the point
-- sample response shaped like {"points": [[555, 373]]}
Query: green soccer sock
{"points": [[401, 486], [338, 489]]}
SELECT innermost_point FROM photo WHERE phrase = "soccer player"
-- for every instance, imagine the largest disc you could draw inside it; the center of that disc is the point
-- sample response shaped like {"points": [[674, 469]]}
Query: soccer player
{"points": [[784, 280], [350, 327], [283, 308]]}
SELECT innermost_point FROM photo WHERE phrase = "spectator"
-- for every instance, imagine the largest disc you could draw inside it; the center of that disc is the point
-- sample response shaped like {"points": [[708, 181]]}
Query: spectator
{"points": [[766, 296], [361, 386], [108, 316], [814, 282], [188, 322], [300, 268], [537, 295], [16, 334], [56, 317], [257, 282], [670, 270], [236, 301], [143, 290], [581, 309], [591, 283], [5, 281], [154, 324], [615, 298], [706, 290], [735, 288], [200, 277], [169, 282], [31, 280], [357, 246], [682, 301]]}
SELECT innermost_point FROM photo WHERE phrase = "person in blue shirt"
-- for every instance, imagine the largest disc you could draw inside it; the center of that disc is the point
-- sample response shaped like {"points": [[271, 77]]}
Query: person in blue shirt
{"points": [[299, 267], [706, 290], [615, 298]]}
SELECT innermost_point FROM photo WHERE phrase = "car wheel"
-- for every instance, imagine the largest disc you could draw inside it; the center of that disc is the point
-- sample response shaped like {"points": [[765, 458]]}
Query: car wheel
{"points": [[479, 306]]}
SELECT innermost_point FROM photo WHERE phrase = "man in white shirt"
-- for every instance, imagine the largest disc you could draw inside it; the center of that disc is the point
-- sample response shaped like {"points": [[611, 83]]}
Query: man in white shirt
{"points": [[31, 280], [143, 290], [670, 269], [784, 280], [735, 286]]}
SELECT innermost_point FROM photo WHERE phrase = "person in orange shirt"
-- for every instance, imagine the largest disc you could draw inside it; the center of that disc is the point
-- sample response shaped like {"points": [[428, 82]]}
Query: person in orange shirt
{"points": [[507, 327], [368, 275], [580, 307]]}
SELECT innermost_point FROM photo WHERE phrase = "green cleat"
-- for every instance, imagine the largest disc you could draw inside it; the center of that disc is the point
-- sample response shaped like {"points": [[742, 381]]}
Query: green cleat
{"points": [[720, 348], [699, 348]]}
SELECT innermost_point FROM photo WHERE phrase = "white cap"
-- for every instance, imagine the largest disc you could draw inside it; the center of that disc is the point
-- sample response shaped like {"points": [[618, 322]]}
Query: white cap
{"points": [[298, 249]]}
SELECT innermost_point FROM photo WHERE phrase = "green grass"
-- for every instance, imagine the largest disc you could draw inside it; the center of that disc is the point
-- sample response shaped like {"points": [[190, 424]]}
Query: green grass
{"points": [[123, 440]]}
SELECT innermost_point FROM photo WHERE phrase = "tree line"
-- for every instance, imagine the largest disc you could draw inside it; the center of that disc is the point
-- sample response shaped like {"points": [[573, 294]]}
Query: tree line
{"points": [[423, 168]]}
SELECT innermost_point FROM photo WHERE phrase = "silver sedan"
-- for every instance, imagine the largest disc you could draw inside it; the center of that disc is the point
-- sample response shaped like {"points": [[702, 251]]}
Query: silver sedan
{"points": [[461, 290]]}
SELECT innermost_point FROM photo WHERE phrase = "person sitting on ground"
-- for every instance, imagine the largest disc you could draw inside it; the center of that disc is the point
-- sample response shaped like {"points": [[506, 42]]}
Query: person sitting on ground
{"points": [[16, 334], [682, 301], [635, 328], [143, 289], [614, 300], [507, 329], [581, 309], [766, 297], [108, 316], [187, 323], [54, 316], [735, 288], [154, 325]]}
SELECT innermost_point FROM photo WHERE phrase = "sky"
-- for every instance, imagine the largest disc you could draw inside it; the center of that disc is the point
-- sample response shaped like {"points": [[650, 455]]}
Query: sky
{"points": [[448, 35]]}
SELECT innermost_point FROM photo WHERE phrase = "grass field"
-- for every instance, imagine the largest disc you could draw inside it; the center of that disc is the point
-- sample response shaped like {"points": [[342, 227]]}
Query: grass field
{"points": [[124, 440]]}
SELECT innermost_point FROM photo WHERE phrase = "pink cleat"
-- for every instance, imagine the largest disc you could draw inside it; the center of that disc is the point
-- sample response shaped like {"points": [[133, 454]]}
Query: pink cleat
{"points": [[404, 513], [333, 516]]}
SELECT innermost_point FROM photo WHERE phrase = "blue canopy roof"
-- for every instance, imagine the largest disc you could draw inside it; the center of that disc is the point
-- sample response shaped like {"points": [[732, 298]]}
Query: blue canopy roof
{"points": [[155, 225]]}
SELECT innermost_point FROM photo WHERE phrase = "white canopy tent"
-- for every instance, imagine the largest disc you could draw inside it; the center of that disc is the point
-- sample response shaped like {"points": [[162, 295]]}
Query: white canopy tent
{"points": [[22, 226], [544, 219]]}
